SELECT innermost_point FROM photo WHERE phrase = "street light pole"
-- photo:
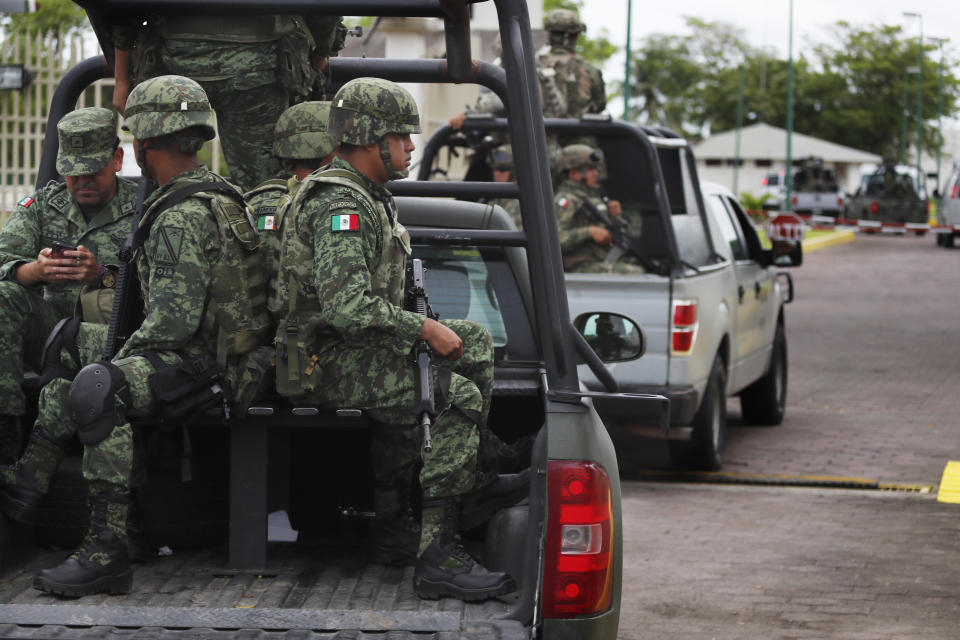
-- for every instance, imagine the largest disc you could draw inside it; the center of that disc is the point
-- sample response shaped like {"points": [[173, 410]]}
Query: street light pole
{"points": [[919, 17], [903, 120], [788, 205], [626, 72], [736, 151], [940, 41]]}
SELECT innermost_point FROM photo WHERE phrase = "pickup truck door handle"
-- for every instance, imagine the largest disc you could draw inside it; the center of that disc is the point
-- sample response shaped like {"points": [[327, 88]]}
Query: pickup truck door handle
{"points": [[740, 292]]}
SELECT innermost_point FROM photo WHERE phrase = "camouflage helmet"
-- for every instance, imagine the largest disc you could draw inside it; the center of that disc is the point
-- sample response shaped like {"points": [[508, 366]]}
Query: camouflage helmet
{"points": [[501, 158], [574, 156], [88, 138], [301, 132], [565, 21], [366, 109], [168, 104]]}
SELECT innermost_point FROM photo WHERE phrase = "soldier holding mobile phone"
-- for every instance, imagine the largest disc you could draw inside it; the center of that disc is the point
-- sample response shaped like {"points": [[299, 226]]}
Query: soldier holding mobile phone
{"points": [[59, 243]]}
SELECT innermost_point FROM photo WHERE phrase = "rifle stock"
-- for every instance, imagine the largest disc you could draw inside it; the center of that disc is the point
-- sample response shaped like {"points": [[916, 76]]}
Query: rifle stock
{"points": [[121, 317], [423, 371]]}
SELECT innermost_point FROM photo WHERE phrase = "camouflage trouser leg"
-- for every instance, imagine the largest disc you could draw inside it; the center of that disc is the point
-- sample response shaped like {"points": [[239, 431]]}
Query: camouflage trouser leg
{"points": [[110, 460], [476, 364], [381, 381], [26, 320], [245, 120]]}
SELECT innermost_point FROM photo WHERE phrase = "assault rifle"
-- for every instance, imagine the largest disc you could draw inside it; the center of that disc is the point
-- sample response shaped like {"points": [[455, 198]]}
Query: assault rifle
{"points": [[126, 301], [423, 371], [622, 242]]}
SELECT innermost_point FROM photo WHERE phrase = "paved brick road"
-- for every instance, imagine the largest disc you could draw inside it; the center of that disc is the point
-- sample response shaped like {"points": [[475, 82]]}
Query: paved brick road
{"points": [[874, 339]]}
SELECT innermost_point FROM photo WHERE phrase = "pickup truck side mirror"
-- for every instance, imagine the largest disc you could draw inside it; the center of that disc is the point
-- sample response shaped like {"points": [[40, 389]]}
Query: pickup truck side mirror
{"points": [[785, 253], [613, 337]]}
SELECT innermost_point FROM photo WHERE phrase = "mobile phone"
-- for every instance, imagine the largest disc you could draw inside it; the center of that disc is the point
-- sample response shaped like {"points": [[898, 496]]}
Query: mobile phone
{"points": [[57, 248]]}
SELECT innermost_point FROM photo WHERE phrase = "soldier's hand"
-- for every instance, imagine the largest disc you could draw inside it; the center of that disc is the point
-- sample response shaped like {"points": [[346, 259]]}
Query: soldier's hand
{"points": [[614, 208], [319, 62], [457, 121], [600, 235], [86, 269], [444, 342], [120, 92]]}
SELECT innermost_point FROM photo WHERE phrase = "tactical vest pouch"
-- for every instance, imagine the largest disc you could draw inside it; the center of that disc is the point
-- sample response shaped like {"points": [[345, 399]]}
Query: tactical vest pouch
{"points": [[253, 378], [297, 372], [97, 305], [295, 71], [145, 60], [185, 389], [237, 220]]}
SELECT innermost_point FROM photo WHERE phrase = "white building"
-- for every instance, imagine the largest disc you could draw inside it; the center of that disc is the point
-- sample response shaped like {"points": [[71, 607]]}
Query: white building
{"points": [[763, 149]]}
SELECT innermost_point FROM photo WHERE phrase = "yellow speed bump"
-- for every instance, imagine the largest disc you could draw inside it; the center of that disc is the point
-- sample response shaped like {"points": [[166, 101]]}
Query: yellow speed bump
{"points": [[950, 483]]}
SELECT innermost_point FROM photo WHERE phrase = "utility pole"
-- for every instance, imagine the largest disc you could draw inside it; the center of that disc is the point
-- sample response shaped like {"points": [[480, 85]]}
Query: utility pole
{"points": [[736, 151], [903, 120], [788, 205], [626, 72], [919, 17]]}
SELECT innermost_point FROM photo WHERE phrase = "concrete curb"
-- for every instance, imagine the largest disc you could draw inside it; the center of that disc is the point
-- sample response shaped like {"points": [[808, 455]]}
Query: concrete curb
{"points": [[822, 242]]}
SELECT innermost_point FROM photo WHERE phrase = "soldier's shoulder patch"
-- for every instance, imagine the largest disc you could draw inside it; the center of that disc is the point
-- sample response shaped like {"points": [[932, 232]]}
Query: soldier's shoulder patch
{"points": [[59, 201], [345, 222], [169, 244], [26, 202], [563, 202], [342, 203], [267, 222]]}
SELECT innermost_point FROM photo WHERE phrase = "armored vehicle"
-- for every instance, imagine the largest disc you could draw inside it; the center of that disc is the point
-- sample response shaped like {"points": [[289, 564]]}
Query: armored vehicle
{"points": [[888, 193]]}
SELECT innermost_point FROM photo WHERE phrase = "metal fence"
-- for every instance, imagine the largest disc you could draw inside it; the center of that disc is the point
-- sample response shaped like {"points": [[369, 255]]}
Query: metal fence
{"points": [[23, 114]]}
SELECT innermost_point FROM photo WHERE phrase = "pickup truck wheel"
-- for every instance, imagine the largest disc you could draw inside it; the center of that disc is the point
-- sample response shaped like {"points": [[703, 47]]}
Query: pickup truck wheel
{"points": [[704, 452], [765, 401]]}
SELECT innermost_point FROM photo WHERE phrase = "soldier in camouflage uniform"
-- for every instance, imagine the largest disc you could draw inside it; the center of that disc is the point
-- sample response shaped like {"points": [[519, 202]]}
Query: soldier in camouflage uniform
{"points": [[90, 211], [347, 339], [501, 161], [585, 243], [303, 145], [569, 85], [251, 67], [202, 281]]}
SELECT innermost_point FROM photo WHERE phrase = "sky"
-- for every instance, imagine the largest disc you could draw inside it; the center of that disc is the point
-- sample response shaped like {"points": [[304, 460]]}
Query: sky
{"points": [[766, 22]]}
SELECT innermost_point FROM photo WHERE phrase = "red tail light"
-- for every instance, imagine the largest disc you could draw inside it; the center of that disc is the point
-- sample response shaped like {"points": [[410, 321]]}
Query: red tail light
{"points": [[794, 200], [684, 329], [763, 182], [953, 192], [578, 567], [874, 207], [839, 201]]}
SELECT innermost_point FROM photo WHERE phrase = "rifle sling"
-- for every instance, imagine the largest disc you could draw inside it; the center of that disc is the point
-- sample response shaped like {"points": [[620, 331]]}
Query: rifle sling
{"points": [[143, 232]]}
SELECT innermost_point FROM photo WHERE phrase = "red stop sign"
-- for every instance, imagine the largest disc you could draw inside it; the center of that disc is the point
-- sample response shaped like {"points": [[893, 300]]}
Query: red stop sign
{"points": [[785, 226]]}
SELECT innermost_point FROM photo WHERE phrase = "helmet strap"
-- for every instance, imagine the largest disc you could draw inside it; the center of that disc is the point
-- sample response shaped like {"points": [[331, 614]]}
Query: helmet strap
{"points": [[392, 174]]}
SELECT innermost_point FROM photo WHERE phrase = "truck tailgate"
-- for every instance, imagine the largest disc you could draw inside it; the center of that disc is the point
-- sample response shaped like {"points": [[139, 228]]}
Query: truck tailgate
{"points": [[189, 594]]}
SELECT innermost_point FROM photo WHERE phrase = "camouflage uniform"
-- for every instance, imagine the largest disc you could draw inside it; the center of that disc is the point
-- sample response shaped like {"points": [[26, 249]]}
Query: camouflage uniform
{"points": [[347, 340], [251, 67], [300, 139], [502, 160], [28, 314], [202, 283], [569, 85], [580, 252]]}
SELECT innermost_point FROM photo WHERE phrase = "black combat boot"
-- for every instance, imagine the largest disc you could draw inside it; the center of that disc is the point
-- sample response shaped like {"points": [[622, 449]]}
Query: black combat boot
{"points": [[24, 484], [444, 568], [101, 564], [396, 532], [493, 493]]}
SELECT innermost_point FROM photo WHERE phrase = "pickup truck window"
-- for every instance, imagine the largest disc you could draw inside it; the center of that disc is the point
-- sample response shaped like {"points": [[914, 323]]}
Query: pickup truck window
{"points": [[729, 228], [492, 299]]}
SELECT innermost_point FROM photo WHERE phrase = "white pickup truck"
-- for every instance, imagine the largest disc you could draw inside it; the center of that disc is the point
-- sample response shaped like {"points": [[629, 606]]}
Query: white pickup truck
{"points": [[711, 303], [713, 313]]}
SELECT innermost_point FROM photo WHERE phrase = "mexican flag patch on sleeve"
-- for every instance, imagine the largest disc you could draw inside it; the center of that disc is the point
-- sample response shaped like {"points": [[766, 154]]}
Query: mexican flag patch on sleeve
{"points": [[266, 223], [26, 202], [563, 202], [345, 222]]}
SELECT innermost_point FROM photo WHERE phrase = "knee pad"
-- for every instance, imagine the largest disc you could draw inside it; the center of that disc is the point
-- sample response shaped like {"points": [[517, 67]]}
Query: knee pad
{"points": [[92, 400]]}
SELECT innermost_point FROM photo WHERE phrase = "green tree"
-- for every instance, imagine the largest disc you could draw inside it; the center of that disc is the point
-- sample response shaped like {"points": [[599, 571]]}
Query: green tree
{"points": [[54, 19]]}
